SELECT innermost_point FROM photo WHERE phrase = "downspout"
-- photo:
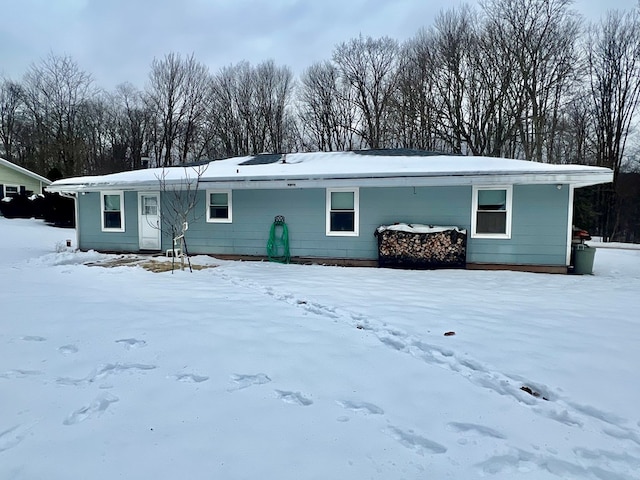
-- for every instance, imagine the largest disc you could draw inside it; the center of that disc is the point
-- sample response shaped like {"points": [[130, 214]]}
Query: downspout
{"points": [[75, 213], [570, 225]]}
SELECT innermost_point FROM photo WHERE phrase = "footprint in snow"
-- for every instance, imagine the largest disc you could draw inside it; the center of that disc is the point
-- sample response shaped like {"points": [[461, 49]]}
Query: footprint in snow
{"points": [[33, 338], [479, 429], [393, 343], [97, 407], [190, 378], [516, 460], [361, 407], [103, 371], [295, 398], [131, 343], [11, 437], [246, 381], [68, 349], [416, 442], [18, 373]]}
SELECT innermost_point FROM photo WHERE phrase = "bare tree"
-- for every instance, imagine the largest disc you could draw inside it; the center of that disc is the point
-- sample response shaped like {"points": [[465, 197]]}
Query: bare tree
{"points": [[133, 118], [236, 124], [164, 98], [326, 108], [54, 92], [196, 101], [176, 95], [370, 67], [575, 139], [250, 109], [415, 113], [10, 104], [456, 89], [539, 36], [98, 133], [245, 101], [225, 119], [273, 87], [454, 41], [613, 51], [180, 199]]}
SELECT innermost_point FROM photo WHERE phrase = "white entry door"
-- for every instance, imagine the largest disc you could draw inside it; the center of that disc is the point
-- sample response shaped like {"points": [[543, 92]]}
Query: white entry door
{"points": [[149, 220]]}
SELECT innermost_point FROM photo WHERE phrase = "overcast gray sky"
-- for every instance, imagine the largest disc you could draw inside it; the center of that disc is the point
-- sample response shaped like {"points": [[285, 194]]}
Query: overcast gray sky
{"points": [[116, 40]]}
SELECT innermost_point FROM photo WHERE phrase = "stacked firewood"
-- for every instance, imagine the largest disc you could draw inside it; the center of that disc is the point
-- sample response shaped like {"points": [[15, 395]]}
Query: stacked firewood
{"points": [[422, 248]]}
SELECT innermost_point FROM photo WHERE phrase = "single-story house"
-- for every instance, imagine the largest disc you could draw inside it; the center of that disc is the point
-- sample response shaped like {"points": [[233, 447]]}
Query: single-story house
{"points": [[15, 180], [518, 214]]}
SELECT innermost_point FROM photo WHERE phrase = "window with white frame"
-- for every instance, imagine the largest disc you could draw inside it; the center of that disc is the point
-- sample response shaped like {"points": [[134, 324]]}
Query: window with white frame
{"points": [[11, 190], [343, 211], [491, 216], [112, 206], [219, 206]]}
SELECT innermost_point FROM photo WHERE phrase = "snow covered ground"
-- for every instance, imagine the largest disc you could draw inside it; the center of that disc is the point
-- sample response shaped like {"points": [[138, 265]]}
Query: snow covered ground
{"points": [[266, 371]]}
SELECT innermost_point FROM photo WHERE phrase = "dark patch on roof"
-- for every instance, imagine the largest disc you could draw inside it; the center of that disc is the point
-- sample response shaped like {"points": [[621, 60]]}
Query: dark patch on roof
{"points": [[263, 159], [197, 163], [399, 152], [269, 158]]}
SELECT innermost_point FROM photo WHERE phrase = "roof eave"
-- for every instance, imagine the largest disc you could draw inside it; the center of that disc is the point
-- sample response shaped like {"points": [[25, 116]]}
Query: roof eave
{"points": [[577, 179]]}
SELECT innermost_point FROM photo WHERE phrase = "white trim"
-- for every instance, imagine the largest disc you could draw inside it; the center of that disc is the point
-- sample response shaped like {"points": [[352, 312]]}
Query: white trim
{"points": [[122, 210], [570, 225], [508, 208], [229, 218], [356, 212], [76, 212], [335, 181], [4, 188], [140, 216]]}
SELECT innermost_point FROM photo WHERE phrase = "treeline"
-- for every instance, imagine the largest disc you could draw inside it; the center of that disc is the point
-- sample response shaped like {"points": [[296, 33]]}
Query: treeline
{"points": [[515, 78]]}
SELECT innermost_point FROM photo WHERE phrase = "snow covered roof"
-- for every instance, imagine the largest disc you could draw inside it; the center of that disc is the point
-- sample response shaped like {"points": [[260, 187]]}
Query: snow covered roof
{"points": [[342, 169], [24, 171]]}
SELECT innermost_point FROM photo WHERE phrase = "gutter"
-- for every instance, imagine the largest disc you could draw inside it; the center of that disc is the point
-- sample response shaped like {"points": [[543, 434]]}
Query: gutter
{"points": [[577, 179]]}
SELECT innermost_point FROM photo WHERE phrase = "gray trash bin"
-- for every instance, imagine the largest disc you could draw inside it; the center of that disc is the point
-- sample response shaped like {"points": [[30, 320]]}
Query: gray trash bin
{"points": [[583, 256]]}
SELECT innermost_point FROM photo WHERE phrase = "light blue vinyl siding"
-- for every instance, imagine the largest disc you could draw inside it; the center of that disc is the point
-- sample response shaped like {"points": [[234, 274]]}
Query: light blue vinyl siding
{"points": [[539, 228], [253, 214], [538, 232], [91, 235], [304, 212]]}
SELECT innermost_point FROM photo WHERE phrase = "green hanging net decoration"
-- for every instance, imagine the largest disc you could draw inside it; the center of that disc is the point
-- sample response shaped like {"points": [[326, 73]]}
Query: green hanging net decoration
{"points": [[278, 244]]}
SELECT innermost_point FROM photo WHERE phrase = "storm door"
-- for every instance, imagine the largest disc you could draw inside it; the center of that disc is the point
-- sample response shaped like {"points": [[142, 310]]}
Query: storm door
{"points": [[149, 220]]}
